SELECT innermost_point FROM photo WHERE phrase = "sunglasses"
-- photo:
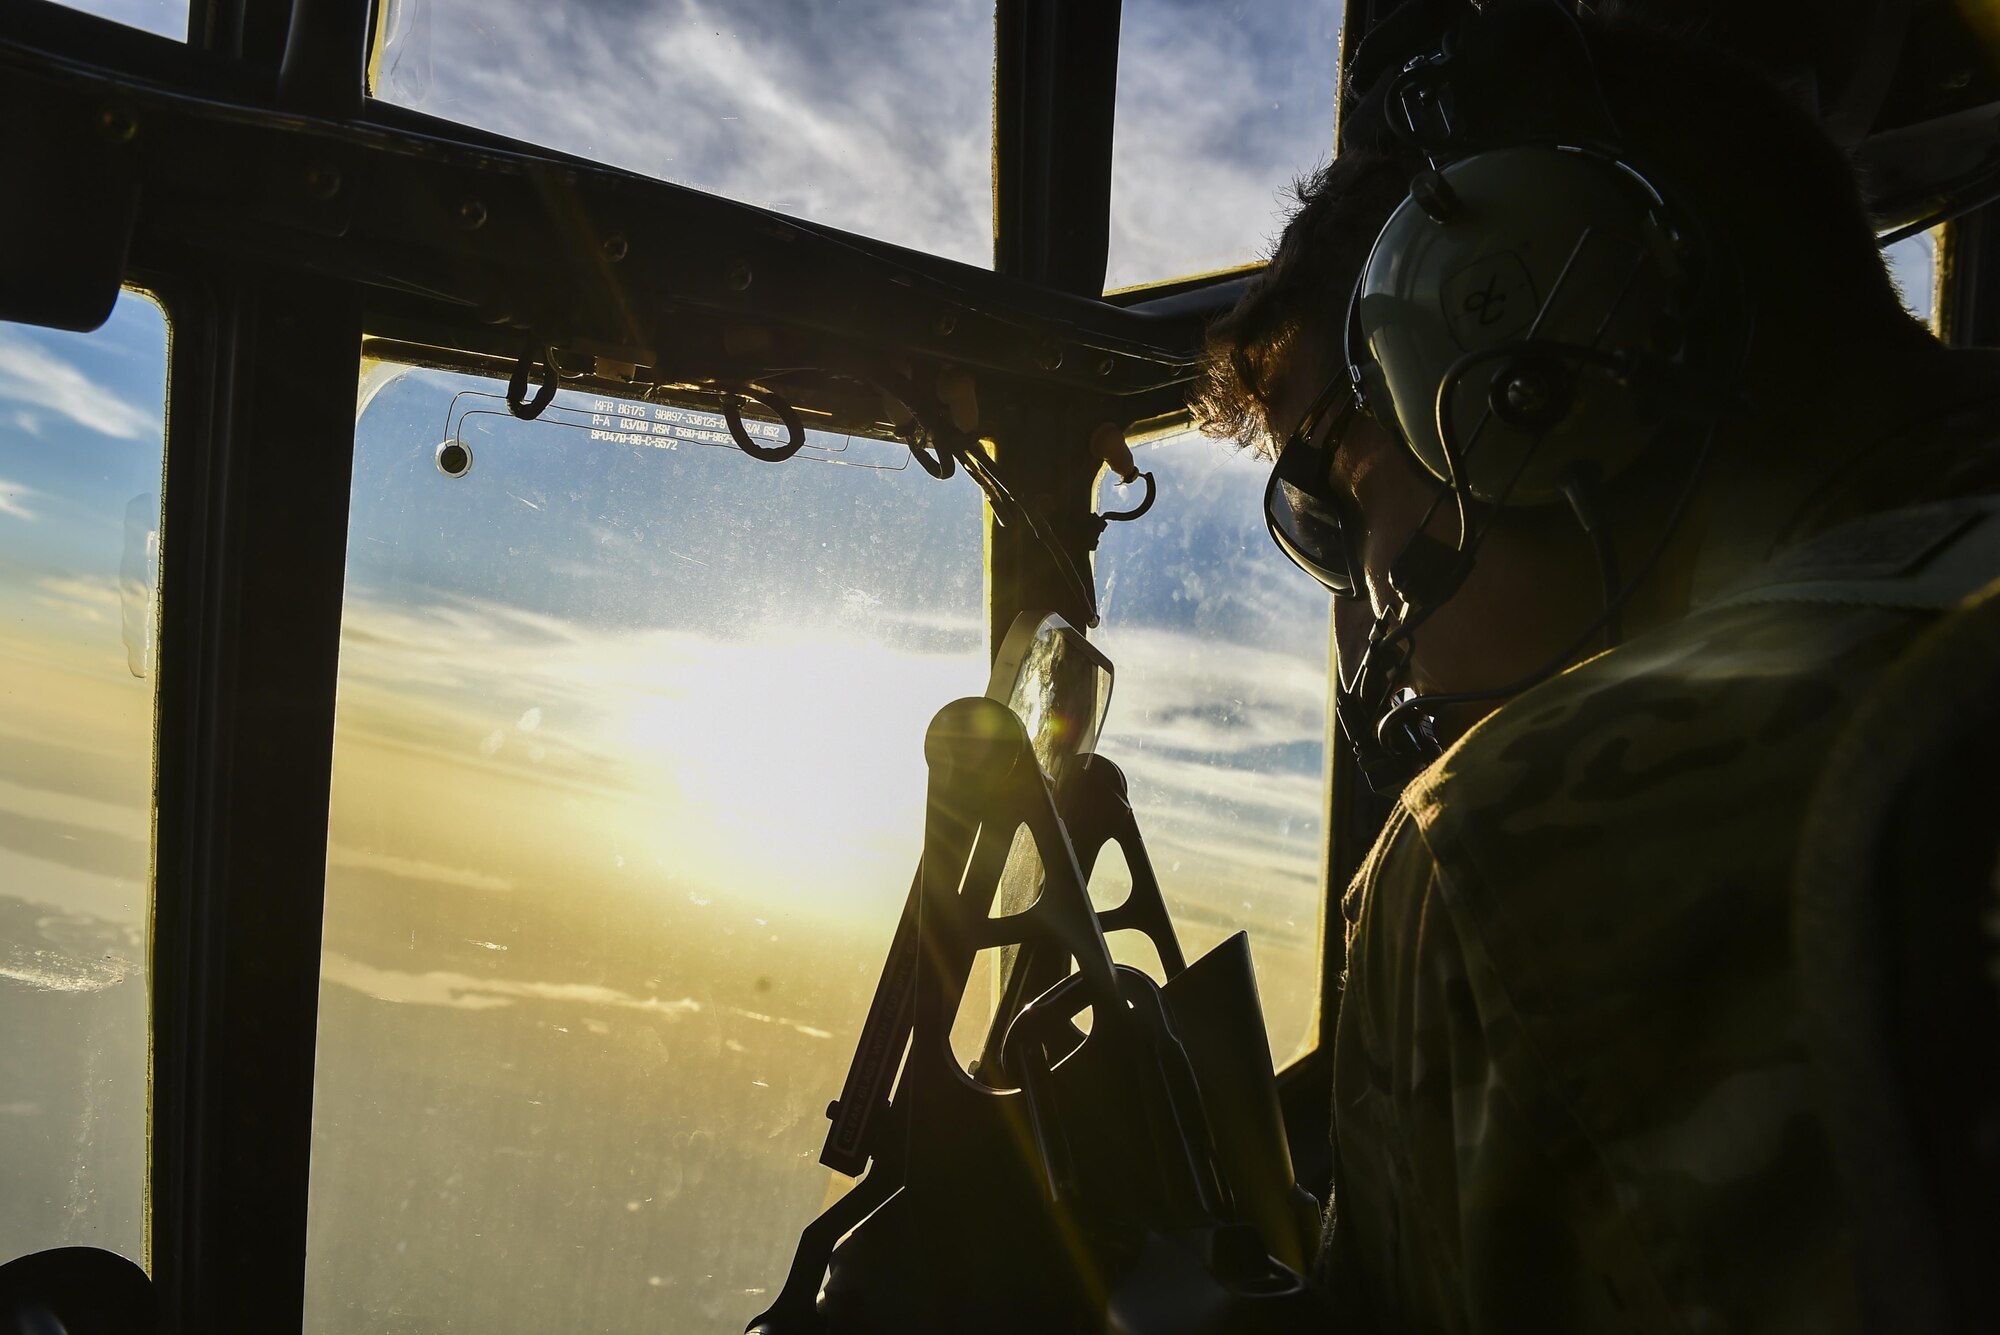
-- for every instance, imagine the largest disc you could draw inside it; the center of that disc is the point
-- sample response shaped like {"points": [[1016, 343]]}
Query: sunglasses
{"points": [[1300, 506]]}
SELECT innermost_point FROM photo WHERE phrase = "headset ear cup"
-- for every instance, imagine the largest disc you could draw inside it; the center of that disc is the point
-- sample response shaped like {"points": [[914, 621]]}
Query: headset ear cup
{"points": [[1509, 333]]}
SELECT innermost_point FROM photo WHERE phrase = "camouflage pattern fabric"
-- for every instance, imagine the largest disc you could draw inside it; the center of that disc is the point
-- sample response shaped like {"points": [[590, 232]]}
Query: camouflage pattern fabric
{"points": [[1571, 1091]]}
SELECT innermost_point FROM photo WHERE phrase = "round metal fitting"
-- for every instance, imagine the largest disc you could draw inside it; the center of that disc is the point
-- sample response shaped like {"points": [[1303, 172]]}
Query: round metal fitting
{"points": [[453, 458]]}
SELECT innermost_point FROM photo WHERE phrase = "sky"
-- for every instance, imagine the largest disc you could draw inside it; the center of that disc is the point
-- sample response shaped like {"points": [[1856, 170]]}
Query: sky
{"points": [[1913, 266], [1220, 107]]}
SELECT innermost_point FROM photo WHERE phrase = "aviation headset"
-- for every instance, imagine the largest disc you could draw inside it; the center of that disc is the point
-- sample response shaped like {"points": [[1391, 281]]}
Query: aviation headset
{"points": [[1536, 315]]}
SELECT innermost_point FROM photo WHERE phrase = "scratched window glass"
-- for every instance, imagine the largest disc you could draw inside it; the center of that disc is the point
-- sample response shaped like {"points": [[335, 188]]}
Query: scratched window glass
{"points": [[628, 788], [82, 420], [1219, 717], [875, 116], [1220, 107]]}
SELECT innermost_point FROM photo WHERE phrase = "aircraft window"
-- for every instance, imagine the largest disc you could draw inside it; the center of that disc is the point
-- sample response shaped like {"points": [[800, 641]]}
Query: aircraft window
{"points": [[872, 116], [168, 18], [1219, 719], [1220, 107], [82, 427], [1913, 266], [628, 789]]}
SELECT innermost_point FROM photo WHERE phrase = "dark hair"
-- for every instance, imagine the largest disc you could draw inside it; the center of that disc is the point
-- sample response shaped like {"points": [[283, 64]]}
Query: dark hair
{"points": [[1728, 144], [1306, 286]]}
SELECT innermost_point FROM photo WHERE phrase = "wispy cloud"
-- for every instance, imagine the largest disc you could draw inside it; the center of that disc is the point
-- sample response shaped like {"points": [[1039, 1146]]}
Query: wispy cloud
{"points": [[363, 859], [1220, 740], [79, 596], [710, 722], [14, 499], [31, 374], [1180, 693], [464, 991]]}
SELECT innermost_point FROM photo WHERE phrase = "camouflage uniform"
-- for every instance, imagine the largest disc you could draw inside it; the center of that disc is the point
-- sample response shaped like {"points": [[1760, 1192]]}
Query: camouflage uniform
{"points": [[1571, 1090]]}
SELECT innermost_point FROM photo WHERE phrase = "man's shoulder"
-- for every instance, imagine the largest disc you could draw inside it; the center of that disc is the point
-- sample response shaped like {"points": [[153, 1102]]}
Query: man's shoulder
{"points": [[1680, 731], [1741, 692], [1605, 834]]}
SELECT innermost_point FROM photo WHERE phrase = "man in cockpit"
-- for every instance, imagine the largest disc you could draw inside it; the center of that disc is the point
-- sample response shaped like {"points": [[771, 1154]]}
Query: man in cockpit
{"points": [[1564, 454]]}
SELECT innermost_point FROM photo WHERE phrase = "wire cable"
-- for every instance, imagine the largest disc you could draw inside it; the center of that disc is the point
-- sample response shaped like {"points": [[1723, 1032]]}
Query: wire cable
{"points": [[1579, 488]]}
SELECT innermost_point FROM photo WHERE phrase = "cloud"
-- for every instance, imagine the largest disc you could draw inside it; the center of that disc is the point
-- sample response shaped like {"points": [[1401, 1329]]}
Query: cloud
{"points": [[1181, 692], [785, 766], [1219, 109], [98, 593], [14, 499], [463, 991], [361, 859], [821, 728], [78, 596], [30, 373]]}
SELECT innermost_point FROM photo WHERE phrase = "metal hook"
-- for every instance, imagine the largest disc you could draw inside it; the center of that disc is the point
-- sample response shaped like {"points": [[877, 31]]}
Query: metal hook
{"points": [[1120, 516], [732, 413], [518, 402], [935, 461], [925, 447]]}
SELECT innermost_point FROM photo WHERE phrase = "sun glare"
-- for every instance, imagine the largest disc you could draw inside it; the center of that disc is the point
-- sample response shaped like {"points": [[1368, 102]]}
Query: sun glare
{"points": [[798, 763]]}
